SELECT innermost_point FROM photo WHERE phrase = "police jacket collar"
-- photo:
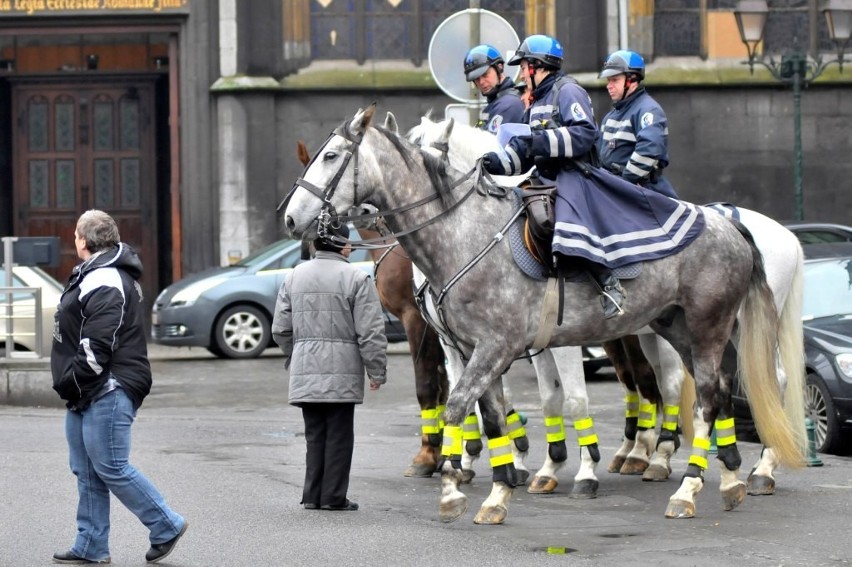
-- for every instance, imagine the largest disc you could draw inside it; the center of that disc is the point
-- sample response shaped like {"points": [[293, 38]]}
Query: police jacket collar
{"points": [[546, 84], [627, 100], [326, 255], [499, 89]]}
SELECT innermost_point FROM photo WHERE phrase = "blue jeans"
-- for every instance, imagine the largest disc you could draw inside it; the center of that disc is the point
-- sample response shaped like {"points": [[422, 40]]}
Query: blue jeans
{"points": [[99, 446]]}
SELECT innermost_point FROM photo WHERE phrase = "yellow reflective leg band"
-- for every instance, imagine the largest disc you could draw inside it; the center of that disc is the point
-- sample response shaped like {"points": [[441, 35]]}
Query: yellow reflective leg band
{"points": [[501, 451], [429, 421], [725, 432], [632, 402], [647, 416], [440, 411], [700, 449], [670, 416], [585, 429], [516, 428], [470, 428], [452, 445], [554, 428]]}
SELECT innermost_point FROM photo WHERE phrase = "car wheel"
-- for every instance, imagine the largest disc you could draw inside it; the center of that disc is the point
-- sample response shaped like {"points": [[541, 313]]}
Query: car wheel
{"points": [[241, 331], [820, 408]]}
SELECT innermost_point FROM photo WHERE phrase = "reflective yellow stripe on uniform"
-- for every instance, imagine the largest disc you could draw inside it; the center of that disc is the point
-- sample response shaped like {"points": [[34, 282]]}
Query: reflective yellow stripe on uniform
{"points": [[585, 429], [554, 428], [516, 428], [725, 432], [700, 448], [647, 416], [440, 411], [631, 402], [670, 416], [470, 428], [501, 451], [452, 444], [429, 421]]}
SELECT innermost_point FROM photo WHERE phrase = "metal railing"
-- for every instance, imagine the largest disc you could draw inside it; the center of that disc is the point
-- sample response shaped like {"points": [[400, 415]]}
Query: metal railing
{"points": [[8, 317]]}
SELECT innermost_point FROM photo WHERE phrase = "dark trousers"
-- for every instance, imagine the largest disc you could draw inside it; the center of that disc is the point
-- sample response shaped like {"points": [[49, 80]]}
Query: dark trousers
{"points": [[330, 437]]}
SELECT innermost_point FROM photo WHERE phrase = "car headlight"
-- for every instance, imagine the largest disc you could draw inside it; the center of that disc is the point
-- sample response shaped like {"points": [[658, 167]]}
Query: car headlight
{"points": [[844, 362], [190, 294]]}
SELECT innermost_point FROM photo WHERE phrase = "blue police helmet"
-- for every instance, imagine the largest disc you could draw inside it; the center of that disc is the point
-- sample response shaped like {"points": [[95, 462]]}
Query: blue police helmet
{"points": [[541, 48], [623, 62], [478, 59]]}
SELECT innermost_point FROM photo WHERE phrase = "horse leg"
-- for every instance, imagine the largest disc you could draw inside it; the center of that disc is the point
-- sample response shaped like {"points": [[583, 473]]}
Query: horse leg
{"points": [[429, 380], [623, 372], [639, 458], [480, 376], [552, 396], [518, 434], [500, 447], [669, 371]]}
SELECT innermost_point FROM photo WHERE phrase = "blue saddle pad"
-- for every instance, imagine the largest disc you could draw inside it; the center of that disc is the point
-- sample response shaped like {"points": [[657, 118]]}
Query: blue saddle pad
{"points": [[535, 269]]}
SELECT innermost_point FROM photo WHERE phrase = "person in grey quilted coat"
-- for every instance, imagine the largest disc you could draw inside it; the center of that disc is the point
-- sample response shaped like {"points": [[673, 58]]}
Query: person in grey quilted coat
{"points": [[328, 322]]}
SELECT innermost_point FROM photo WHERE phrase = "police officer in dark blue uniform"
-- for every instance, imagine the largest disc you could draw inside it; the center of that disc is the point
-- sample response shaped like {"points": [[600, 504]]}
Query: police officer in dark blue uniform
{"points": [[563, 132], [483, 65], [634, 135]]}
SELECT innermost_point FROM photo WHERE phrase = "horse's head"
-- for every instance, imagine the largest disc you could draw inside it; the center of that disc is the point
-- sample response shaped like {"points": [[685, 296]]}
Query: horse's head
{"points": [[330, 181]]}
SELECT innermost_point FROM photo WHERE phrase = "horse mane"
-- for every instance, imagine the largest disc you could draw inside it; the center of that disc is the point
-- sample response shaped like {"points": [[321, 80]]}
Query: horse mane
{"points": [[467, 143], [435, 167]]}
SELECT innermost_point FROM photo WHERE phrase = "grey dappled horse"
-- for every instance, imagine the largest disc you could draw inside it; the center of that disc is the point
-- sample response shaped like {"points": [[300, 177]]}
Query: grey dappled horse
{"points": [[783, 258], [443, 220]]}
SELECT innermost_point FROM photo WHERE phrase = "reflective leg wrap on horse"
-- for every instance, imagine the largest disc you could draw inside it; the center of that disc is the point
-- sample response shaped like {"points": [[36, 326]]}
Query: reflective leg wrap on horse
{"points": [[471, 436], [586, 437], [429, 426], [502, 461], [647, 416], [668, 431], [451, 449], [726, 441], [554, 427], [517, 432], [667, 435]]}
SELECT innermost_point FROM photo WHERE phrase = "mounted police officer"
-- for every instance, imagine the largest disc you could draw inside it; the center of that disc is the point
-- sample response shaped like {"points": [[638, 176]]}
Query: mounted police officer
{"points": [[563, 134], [483, 66], [634, 140]]}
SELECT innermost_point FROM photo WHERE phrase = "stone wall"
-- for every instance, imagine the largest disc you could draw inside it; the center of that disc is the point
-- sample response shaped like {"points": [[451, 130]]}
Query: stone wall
{"points": [[726, 143]]}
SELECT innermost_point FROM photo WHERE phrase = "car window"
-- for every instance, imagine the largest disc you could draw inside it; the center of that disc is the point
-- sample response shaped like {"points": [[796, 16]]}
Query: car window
{"points": [[818, 236], [16, 282], [828, 289]]}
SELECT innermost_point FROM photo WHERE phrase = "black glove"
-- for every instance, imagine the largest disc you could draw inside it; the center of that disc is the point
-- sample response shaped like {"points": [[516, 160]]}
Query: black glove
{"points": [[522, 146], [491, 163]]}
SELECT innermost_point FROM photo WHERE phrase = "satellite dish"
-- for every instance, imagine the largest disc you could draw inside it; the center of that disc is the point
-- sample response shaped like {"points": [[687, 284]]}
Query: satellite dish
{"points": [[451, 42]]}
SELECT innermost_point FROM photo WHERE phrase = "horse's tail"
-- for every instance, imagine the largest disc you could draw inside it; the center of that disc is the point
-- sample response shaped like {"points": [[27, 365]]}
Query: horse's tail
{"points": [[759, 324], [792, 352]]}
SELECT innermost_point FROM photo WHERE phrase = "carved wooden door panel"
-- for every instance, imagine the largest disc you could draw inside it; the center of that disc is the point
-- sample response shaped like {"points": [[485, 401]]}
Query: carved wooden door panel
{"points": [[86, 146]]}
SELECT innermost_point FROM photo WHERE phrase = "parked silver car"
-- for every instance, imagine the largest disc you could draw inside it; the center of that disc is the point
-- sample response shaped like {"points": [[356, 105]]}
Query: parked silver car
{"points": [[228, 310]]}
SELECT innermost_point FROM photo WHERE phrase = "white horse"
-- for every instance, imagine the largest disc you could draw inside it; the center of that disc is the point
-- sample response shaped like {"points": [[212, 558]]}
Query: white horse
{"points": [[783, 258], [444, 218]]}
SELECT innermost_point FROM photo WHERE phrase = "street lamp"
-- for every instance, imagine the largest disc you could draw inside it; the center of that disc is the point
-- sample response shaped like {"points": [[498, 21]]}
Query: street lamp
{"points": [[796, 67]]}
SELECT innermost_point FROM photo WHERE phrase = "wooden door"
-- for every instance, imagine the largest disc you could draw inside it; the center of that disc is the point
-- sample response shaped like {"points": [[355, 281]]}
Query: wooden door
{"points": [[81, 146]]}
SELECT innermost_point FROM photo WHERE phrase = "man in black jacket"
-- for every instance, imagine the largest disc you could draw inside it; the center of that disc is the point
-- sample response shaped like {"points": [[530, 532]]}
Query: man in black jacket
{"points": [[100, 368]]}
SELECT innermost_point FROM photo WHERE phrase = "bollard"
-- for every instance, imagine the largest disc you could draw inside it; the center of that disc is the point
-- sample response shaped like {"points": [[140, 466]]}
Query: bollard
{"points": [[813, 460]]}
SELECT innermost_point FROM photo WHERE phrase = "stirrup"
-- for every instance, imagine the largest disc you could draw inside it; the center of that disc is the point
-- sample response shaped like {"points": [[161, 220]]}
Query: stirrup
{"points": [[608, 302]]}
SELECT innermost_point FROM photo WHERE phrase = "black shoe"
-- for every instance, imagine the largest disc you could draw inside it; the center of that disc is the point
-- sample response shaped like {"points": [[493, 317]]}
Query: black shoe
{"points": [[159, 551], [310, 506], [69, 558], [612, 298], [348, 507]]}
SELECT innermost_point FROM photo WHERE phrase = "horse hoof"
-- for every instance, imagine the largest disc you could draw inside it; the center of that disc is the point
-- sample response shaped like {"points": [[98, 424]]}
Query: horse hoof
{"points": [[467, 475], [759, 485], [523, 477], [615, 465], [656, 473], [453, 508], [491, 516], [585, 489], [678, 509], [420, 470], [543, 485], [633, 466], [734, 496]]}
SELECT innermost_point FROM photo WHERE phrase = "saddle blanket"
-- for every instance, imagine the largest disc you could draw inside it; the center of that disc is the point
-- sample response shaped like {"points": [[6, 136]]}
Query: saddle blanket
{"points": [[610, 221], [535, 269]]}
